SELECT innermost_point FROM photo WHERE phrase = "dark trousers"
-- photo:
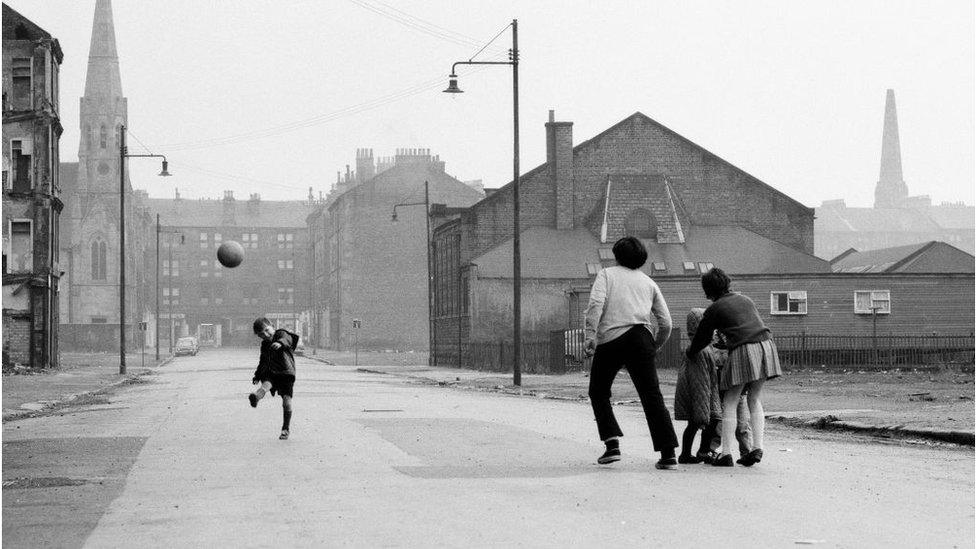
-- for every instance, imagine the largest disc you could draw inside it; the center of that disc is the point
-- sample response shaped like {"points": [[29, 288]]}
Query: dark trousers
{"points": [[635, 350]]}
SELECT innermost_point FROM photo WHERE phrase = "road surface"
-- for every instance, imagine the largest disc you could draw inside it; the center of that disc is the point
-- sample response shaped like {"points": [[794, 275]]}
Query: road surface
{"points": [[181, 460]]}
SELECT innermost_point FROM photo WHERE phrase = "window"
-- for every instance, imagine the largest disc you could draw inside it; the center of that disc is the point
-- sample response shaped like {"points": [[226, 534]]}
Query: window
{"points": [[99, 320], [286, 264], [866, 302], [593, 268], [788, 303], [102, 137], [286, 295], [218, 270], [702, 267], [659, 266], [174, 268], [175, 295], [286, 240], [688, 266], [641, 223], [99, 253], [606, 254], [21, 177], [249, 240], [203, 241], [204, 264], [21, 96], [217, 240], [204, 301], [21, 247]]}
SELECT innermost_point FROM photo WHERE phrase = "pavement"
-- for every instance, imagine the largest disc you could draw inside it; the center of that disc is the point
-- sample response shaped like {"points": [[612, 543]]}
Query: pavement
{"points": [[929, 405], [177, 458]]}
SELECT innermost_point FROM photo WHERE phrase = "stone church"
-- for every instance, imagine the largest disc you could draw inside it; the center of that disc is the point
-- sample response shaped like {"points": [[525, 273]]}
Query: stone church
{"points": [[90, 237], [896, 219]]}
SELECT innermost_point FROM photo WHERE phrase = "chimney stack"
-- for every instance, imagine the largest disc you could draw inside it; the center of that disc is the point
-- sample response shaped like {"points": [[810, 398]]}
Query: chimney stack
{"points": [[559, 157]]}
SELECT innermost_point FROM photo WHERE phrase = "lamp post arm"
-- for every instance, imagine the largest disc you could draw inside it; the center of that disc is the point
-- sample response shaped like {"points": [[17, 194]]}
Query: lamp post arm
{"points": [[127, 155], [454, 66]]}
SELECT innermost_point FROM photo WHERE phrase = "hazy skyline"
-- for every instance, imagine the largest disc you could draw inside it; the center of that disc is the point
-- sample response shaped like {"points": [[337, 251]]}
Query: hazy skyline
{"points": [[274, 97]]}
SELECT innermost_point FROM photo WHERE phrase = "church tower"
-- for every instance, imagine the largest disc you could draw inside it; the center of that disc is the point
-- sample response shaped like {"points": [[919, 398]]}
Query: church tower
{"points": [[93, 204], [891, 190]]}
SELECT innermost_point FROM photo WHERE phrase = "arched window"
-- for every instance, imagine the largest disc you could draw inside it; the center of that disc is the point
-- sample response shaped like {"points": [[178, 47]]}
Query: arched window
{"points": [[99, 254], [103, 137], [641, 223]]}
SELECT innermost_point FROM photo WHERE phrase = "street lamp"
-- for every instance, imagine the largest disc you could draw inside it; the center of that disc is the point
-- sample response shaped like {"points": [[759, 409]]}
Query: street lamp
{"points": [[430, 296], [123, 154], [452, 87]]}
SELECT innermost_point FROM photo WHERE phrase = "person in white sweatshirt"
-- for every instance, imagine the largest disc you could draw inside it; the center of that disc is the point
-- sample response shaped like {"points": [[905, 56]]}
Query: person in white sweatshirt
{"points": [[620, 333]]}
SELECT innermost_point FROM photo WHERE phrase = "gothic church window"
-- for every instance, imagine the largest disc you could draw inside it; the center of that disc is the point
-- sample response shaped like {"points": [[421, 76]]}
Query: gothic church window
{"points": [[102, 137], [99, 256], [641, 223]]}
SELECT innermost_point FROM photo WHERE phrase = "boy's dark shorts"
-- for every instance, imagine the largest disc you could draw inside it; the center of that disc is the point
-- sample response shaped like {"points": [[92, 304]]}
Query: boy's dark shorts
{"points": [[283, 385]]}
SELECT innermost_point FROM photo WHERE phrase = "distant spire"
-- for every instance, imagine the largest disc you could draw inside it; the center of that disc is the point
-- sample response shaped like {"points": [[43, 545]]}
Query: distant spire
{"points": [[891, 190], [103, 59]]}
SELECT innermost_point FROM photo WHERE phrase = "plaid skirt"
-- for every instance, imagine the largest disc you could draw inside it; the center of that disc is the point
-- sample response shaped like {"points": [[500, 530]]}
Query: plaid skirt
{"points": [[750, 362]]}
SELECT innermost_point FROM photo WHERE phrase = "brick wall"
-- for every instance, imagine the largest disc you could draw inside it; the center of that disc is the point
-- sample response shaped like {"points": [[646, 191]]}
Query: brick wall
{"points": [[16, 339]]}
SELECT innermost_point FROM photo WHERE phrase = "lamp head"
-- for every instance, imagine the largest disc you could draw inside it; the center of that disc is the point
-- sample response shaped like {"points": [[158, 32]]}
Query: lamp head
{"points": [[452, 85], [165, 172], [394, 218]]}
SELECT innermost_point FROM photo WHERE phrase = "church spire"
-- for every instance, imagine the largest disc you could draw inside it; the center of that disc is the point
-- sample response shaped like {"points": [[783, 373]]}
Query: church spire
{"points": [[891, 190], [103, 59]]}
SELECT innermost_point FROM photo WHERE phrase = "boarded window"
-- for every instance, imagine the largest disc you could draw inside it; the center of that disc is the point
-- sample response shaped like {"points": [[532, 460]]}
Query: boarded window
{"points": [[788, 303], [641, 223], [868, 302], [20, 89], [21, 247]]}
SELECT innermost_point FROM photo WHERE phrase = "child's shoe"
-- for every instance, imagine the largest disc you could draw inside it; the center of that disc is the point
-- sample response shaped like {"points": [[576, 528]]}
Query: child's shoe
{"points": [[724, 460], [253, 399], [669, 464], [284, 435], [752, 457], [610, 456], [689, 459]]}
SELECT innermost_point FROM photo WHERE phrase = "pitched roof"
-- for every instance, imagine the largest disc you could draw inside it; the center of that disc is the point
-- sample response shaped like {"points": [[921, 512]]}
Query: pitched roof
{"points": [[923, 219], [564, 254], [644, 118], [941, 258], [184, 212]]}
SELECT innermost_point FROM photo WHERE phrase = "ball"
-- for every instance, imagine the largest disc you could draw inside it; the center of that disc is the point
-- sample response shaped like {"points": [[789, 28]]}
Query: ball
{"points": [[230, 254]]}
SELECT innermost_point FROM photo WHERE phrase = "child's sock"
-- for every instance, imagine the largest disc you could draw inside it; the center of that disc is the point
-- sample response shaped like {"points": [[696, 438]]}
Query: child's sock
{"points": [[286, 414], [688, 438], [613, 443]]}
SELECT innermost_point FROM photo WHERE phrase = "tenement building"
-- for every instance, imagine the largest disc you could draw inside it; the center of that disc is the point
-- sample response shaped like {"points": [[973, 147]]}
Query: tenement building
{"points": [[896, 219], [31, 192], [200, 297], [371, 267]]}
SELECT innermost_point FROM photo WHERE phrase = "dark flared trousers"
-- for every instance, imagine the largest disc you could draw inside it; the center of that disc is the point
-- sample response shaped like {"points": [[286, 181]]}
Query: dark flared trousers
{"points": [[635, 351]]}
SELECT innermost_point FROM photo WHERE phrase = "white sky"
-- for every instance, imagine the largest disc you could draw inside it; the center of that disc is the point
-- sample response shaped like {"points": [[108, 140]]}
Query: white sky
{"points": [[791, 92]]}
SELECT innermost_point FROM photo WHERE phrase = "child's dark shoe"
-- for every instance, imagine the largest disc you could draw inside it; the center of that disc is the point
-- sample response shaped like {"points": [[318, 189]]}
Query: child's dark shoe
{"points": [[689, 459], [669, 464], [752, 457], [724, 460], [253, 399], [610, 456], [284, 435]]}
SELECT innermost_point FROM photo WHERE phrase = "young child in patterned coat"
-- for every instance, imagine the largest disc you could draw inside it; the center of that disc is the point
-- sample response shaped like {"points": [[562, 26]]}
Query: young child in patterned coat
{"points": [[696, 398]]}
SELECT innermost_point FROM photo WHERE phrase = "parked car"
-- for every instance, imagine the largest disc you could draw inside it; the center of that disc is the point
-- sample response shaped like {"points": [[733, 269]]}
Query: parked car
{"points": [[187, 346]]}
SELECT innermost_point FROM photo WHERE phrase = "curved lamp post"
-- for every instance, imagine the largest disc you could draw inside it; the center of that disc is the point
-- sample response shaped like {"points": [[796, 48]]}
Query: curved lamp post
{"points": [[452, 87], [123, 154]]}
